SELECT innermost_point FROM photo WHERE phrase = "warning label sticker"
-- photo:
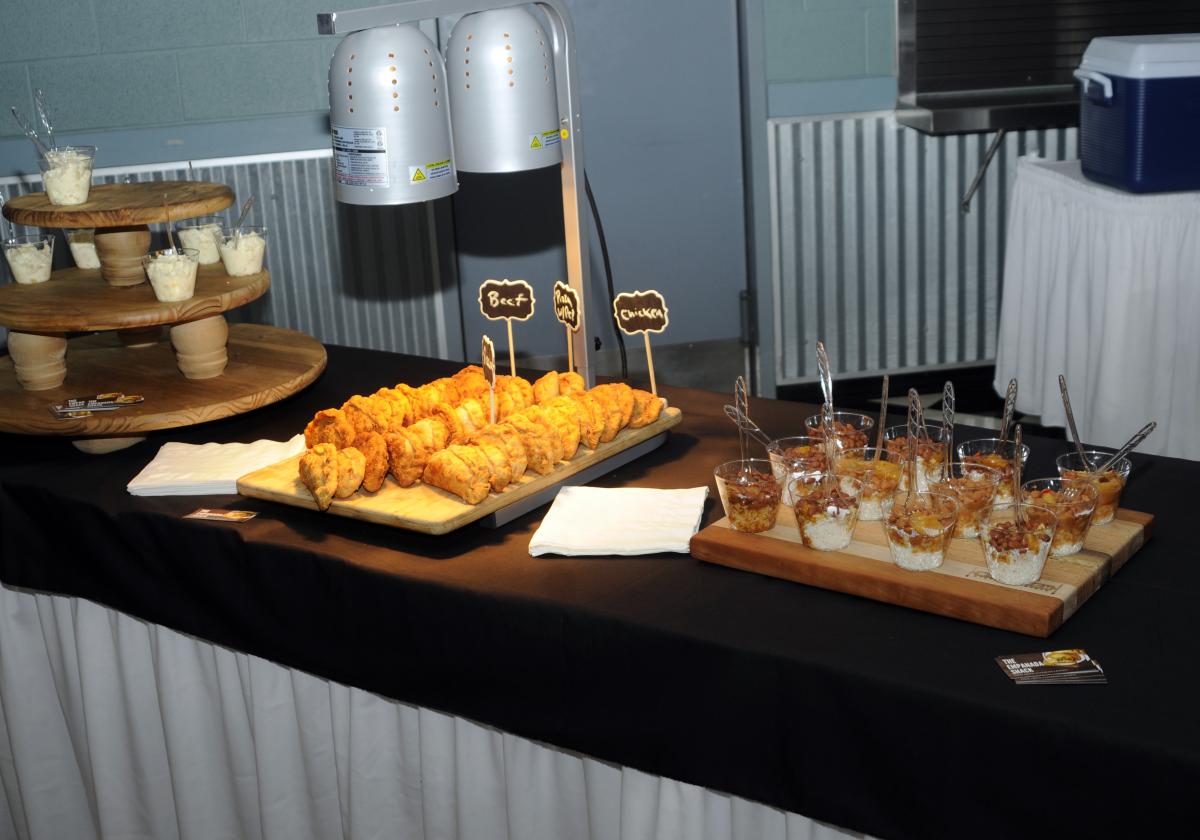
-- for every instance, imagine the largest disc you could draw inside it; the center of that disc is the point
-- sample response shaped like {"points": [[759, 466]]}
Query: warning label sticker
{"points": [[544, 139], [428, 172], [360, 156]]}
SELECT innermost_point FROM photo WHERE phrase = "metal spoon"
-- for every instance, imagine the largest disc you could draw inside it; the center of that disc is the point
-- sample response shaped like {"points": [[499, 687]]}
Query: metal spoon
{"points": [[747, 425], [1132, 444], [1010, 408], [1066, 398], [948, 421], [39, 102], [30, 132], [882, 419]]}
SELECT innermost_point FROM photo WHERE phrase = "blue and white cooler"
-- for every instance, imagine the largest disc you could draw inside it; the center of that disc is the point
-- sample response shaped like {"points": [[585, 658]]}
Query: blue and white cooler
{"points": [[1139, 112]]}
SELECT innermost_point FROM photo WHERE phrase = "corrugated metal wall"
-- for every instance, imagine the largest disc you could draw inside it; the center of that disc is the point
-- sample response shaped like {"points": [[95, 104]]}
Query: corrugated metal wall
{"points": [[870, 251], [366, 277]]}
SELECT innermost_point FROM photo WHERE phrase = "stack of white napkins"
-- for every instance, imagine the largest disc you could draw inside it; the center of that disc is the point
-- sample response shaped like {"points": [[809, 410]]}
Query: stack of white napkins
{"points": [[623, 520], [187, 469]]}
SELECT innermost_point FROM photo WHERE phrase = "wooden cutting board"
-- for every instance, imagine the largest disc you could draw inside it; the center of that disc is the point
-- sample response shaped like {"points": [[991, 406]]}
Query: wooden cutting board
{"points": [[961, 588], [428, 509]]}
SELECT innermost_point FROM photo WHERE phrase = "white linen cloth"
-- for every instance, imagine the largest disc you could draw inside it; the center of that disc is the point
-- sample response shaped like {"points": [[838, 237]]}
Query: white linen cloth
{"points": [[188, 469], [1104, 287], [111, 727], [620, 520]]}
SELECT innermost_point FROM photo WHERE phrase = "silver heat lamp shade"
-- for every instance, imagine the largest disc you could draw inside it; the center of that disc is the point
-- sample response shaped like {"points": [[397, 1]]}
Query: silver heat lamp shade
{"points": [[389, 118], [503, 100]]}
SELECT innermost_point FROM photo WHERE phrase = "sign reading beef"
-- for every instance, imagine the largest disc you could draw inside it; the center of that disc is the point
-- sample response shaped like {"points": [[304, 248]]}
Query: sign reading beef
{"points": [[566, 305], [506, 299], [644, 312]]}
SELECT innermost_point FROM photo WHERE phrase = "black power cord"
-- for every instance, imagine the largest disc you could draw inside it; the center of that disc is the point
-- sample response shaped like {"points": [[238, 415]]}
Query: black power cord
{"points": [[608, 276]]}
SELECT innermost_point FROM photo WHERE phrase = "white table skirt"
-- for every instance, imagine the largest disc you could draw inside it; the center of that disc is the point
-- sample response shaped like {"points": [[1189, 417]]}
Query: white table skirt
{"points": [[1104, 287], [111, 727]]}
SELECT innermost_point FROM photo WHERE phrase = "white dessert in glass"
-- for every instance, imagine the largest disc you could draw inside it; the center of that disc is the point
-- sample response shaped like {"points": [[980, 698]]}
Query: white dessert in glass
{"points": [[750, 493], [1109, 483], [851, 429], [202, 235], [1073, 501], [82, 243], [172, 273], [880, 479], [242, 250], [1016, 551], [996, 454], [974, 488], [30, 258], [931, 452], [919, 529], [67, 173], [826, 509]]}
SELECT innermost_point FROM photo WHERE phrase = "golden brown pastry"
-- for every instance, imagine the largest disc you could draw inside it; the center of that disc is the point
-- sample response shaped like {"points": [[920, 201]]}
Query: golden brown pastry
{"points": [[419, 402], [646, 408], [431, 433], [501, 471], [447, 416], [545, 388], [539, 449], [519, 389], [368, 414], [509, 439], [474, 416], [592, 416], [571, 383], [375, 452], [406, 457], [623, 395], [612, 412], [565, 426], [471, 383], [443, 390], [329, 425], [552, 435], [351, 468], [461, 470], [401, 408], [319, 472]]}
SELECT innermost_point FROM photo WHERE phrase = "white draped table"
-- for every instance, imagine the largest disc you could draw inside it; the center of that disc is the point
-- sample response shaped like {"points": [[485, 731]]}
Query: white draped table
{"points": [[1104, 287]]}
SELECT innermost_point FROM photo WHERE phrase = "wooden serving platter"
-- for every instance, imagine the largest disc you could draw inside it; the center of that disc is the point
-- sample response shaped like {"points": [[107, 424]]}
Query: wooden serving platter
{"points": [[120, 205], [80, 300], [961, 588], [428, 509]]}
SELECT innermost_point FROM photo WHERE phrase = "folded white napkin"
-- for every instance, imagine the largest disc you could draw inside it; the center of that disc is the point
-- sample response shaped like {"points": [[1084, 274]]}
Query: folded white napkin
{"points": [[187, 469], [623, 520]]}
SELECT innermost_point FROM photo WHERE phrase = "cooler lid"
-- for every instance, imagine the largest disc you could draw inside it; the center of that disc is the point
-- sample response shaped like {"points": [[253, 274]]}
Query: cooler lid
{"points": [[1144, 56]]}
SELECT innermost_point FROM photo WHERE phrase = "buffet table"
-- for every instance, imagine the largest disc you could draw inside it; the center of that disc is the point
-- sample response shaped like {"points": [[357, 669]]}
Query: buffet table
{"points": [[1102, 286], [871, 717]]}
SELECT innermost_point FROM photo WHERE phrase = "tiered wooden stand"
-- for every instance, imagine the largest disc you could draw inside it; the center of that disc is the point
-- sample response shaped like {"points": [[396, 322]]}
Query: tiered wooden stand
{"points": [[205, 370]]}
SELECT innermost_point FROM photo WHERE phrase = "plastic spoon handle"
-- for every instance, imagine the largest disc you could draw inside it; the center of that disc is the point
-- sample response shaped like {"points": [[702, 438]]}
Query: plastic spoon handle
{"points": [[824, 373], [948, 421], [1016, 474], [1066, 398], [914, 410], [39, 102], [1133, 443], [747, 425], [1010, 408], [882, 419], [170, 231], [30, 132], [245, 212]]}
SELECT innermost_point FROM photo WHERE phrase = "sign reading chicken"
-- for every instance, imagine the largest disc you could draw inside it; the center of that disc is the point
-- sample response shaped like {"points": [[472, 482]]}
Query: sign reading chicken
{"points": [[640, 312]]}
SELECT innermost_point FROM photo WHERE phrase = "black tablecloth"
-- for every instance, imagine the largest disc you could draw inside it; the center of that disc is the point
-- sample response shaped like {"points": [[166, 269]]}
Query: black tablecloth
{"points": [[870, 716]]}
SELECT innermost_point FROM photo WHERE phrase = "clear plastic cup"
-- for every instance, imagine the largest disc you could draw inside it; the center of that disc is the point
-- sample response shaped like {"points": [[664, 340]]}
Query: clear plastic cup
{"points": [[1073, 501], [82, 243], [172, 273], [931, 453], [880, 479], [973, 486], [791, 456], [201, 234], [750, 493], [826, 507], [242, 249], [997, 454], [919, 532], [30, 258], [852, 430], [67, 173], [1016, 552], [1109, 485]]}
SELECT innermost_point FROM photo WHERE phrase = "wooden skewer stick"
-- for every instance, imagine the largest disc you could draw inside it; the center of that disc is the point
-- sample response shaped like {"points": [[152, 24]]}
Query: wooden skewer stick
{"points": [[650, 365], [512, 351], [570, 351]]}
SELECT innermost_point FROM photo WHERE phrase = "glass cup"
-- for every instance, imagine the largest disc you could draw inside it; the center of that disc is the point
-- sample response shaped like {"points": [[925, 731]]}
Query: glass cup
{"points": [[202, 235], [919, 532], [852, 430], [242, 249], [172, 273], [931, 453], [1109, 485], [826, 507], [880, 479], [82, 242], [997, 454], [973, 486], [1073, 502], [791, 456], [1016, 552], [30, 258], [750, 492], [67, 173]]}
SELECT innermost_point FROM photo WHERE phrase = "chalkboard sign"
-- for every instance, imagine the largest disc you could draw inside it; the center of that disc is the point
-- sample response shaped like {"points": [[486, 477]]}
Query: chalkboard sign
{"points": [[510, 300], [566, 306], [640, 312]]}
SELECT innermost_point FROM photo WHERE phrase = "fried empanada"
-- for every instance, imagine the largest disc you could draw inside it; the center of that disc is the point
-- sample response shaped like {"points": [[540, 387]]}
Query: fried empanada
{"points": [[545, 388], [319, 472], [646, 408], [352, 466], [329, 425], [571, 383], [375, 451], [461, 470]]}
